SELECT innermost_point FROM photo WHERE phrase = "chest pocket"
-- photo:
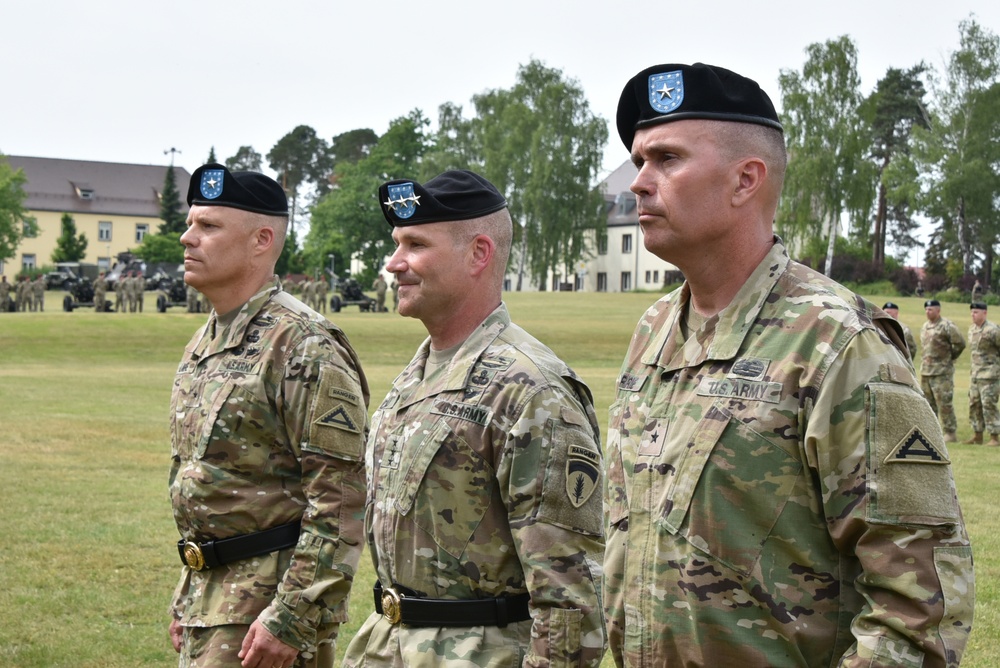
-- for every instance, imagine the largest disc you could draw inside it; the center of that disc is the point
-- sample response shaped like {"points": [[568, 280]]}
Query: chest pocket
{"points": [[730, 488], [233, 433], [445, 487]]}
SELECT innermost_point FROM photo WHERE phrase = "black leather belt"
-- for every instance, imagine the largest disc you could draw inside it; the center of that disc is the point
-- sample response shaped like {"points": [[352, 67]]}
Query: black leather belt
{"points": [[212, 553], [399, 605]]}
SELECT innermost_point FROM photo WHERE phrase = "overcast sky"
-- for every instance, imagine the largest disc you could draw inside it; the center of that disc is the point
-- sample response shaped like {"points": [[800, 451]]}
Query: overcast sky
{"points": [[122, 81]]}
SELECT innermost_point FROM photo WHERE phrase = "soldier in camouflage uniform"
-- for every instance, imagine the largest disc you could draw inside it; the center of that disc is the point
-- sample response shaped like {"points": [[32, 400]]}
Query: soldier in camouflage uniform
{"points": [[779, 492], [319, 294], [268, 420], [120, 300], [911, 343], [984, 389], [100, 291], [4, 294], [941, 343], [484, 494], [380, 288], [38, 290]]}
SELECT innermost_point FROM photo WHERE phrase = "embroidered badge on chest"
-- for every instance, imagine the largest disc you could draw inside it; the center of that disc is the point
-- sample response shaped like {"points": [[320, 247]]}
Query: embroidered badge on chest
{"points": [[582, 475]]}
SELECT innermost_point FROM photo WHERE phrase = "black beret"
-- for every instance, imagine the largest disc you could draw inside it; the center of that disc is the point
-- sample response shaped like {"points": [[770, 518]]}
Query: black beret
{"points": [[931, 302], [890, 305], [675, 92], [455, 195], [979, 305], [214, 185]]}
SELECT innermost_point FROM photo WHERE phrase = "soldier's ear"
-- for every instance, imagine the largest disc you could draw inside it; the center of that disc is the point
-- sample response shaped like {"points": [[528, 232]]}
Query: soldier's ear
{"points": [[481, 253], [264, 238]]}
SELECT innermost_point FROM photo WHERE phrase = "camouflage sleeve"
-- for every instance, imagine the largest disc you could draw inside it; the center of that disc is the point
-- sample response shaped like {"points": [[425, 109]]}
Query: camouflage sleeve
{"points": [[550, 478], [911, 343], [957, 342], [891, 505], [324, 404]]}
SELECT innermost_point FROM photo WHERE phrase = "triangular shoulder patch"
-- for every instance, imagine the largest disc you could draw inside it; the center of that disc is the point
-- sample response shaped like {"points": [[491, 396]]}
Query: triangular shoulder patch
{"points": [[338, 418], [916, 448]]}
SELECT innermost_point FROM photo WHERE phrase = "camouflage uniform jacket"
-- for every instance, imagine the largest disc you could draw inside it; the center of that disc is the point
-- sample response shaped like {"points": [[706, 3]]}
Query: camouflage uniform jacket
{"points": [[485, 480], [779, 491], [911, 342], [268, 420], [984, 342], [941, 344]]}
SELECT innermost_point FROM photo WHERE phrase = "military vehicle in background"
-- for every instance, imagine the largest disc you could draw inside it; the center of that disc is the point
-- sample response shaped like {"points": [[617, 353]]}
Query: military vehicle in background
{"points": [[80, 294], [351, 294], [68, 274], [173, 293]]}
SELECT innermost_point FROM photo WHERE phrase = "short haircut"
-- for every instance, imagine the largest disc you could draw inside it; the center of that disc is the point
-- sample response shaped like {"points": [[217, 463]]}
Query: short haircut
{"points": [[499, 227], [278, 223], [742, 140]]}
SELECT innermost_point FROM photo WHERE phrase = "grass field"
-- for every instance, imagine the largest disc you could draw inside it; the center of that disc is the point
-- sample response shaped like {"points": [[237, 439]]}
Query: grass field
{"points": [[87, 557]]}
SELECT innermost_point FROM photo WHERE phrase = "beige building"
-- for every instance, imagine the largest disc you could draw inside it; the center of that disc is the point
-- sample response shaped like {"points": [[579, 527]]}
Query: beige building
{"points": [[115, 205], [622, 263]]}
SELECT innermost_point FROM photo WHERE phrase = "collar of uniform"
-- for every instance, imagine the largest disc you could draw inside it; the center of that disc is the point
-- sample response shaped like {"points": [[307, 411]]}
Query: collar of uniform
{"points": [[730, 326], [410, 382], [213, 341]]}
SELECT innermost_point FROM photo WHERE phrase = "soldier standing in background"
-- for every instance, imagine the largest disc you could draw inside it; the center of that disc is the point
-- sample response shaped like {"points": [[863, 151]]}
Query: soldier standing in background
{"points": [[4, 294], [139, 288], [319, 290], [395, 295], [911, 343], [100, 290], [38, 288], [484, 508], [941, 343], [984, 388], [380, 287], [120, 301], [23, 295], [268, 421], [778, 490], [126, 280]]}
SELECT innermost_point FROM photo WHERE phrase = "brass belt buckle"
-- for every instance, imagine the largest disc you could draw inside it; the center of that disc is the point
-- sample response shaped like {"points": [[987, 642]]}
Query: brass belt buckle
{"points": [[391, 605], [193, 556]]}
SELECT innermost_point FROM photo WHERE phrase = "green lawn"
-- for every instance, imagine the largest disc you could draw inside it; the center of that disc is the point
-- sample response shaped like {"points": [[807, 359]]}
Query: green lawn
{"points": [[87, 557]]}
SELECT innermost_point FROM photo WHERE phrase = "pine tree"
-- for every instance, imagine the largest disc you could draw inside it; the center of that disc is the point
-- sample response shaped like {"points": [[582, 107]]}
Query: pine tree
{"points": [[170, 205], [70, 247]]}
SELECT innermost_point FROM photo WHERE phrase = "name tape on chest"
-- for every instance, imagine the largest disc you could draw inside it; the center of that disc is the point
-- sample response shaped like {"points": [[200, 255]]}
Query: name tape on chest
{"points": [[478, 414], [737, 388]]}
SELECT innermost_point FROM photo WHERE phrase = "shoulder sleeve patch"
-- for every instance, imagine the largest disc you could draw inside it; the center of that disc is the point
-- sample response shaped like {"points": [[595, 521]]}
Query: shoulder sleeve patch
{"points": [[902, 433], [337, 420]]}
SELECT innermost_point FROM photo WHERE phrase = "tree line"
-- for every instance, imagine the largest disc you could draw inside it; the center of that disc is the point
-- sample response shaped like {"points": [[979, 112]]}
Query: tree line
{"points": [[864, 171]]}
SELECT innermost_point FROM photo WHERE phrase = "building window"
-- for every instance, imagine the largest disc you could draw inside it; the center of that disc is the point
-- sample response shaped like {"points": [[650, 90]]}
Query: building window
{"points": [[141, 230], [104, 263], [578, 283], [649, 276], [626, 281], [602, 246], [602, 281], [626, 243], [27, 262], [28, 231], [104, 230], [656, 276]]}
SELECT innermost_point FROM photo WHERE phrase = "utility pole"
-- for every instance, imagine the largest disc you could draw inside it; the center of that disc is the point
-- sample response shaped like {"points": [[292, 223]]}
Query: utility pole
{"points": [[171, 151]]}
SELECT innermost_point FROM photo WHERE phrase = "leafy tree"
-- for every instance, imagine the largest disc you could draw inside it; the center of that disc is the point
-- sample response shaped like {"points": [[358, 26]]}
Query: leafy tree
{"points": [[352, 146], [827, 173], [541, 145], [959, 154], [348, 221], [15, 223], [70, 247], [245, 160], [891, 111], [163, 247], [301, 158], [173, 218]]}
